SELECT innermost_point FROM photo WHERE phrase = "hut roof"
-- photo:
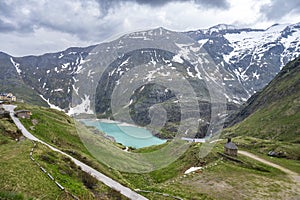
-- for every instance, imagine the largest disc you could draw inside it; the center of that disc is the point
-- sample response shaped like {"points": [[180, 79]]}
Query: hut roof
{"points": [[22, 111], [230, 145]]}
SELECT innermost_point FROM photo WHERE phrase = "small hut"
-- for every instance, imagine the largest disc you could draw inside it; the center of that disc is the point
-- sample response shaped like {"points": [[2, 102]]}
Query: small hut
{"points": [[23, 114], [230, 148]]}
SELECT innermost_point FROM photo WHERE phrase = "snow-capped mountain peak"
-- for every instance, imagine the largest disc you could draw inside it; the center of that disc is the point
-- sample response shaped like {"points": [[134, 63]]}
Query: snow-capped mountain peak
{"points": [[255, 56], [218, 28], [247, 58]]}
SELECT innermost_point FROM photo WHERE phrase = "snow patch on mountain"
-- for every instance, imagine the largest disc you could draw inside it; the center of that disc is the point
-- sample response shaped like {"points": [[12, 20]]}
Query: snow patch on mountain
{"points": [[256, 41], [130, 102], [184, 50], [218, 28], [60, 56], [83, 107], [90, 73], [125, 62], [16, 65], [58, 90], [78, 70], [64, 66], [50, 104], [75, 89], [150, 76], [190, 73], [255, 75], [177, 58], [202, 42]]}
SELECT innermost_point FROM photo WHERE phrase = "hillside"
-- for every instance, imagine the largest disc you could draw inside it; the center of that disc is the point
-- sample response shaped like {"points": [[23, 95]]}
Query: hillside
{"points": [[21, 178], [273, 113], [215, 180], [10, 81]]}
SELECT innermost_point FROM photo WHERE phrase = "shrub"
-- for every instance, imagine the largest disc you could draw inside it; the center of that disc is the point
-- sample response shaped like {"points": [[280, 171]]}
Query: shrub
{"points": [[88, 180]]}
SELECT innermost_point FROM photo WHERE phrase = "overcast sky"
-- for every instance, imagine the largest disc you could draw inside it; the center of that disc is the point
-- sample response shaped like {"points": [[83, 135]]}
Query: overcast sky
{"points": [[40, 26]]}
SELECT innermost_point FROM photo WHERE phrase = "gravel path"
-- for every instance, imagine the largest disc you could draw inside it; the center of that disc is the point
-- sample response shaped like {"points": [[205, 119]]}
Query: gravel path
{"points": [[292, 174], [98, 175]]}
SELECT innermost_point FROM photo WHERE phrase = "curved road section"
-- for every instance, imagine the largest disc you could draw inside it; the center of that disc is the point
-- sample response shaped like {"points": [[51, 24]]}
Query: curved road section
{"points": [[292, 174], [99, 176]]}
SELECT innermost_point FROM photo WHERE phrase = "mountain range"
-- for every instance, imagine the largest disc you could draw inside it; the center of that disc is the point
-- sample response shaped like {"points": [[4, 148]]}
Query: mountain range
{"points": [[242, 61]]}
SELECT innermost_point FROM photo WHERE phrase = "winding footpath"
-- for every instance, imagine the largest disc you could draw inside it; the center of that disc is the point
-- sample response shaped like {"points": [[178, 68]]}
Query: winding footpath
{"points": [[293, 175], [98, 175]]}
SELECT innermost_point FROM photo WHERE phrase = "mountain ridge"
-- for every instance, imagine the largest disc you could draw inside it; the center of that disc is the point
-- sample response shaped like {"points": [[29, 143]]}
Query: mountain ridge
{"points": [[231, 27], [247, 60]]}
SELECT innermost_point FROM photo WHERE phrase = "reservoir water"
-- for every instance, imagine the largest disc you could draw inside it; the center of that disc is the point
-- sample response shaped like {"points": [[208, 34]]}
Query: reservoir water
{"points": [[126, 134]]}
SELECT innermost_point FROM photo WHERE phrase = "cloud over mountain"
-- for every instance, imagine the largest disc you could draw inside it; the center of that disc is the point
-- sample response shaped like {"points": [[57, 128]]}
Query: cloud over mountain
{"points": [[277, 9], [55, 25]]}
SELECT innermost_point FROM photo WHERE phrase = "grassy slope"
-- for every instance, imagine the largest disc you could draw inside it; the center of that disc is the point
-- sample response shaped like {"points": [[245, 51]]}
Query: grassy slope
{"points": [[261, 147], [274, 113], [23, 92], [51, 124], [58, 129], [271, 120], [21, 178], [220, 178], [19, 174]]}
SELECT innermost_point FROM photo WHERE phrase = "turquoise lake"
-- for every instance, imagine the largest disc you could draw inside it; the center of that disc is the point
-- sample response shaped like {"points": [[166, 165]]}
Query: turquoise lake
{"points": [[127, 135]]}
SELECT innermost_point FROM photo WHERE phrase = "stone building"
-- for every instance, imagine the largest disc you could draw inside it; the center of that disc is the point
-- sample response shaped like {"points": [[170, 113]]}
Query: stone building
{"points": [[23, 114], [230, 148]]}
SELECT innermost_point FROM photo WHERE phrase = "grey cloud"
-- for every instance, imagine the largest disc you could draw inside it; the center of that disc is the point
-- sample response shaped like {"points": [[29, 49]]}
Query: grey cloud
{"points": [[25, 16], [222, 4], [12, 20], [6, 27], [214, 3], [279, 8], [4, 8]]}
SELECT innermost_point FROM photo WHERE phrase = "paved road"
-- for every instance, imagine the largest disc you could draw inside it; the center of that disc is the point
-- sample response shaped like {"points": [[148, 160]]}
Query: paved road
{"points": [[292, 174], [101, 177]]}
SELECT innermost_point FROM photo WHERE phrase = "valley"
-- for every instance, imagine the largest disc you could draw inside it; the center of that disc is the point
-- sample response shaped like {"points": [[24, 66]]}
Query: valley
{"points": [[215, 180], [218, 83]]}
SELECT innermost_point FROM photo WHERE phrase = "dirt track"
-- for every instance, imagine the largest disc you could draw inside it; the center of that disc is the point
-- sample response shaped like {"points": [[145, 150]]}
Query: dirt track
{"points": [[293, 175]]}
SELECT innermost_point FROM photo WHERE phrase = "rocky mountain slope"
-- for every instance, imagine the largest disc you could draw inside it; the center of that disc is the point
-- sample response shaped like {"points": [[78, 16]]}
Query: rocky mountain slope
{"points": [[254, 56], [273, 113], [238, 62]]}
